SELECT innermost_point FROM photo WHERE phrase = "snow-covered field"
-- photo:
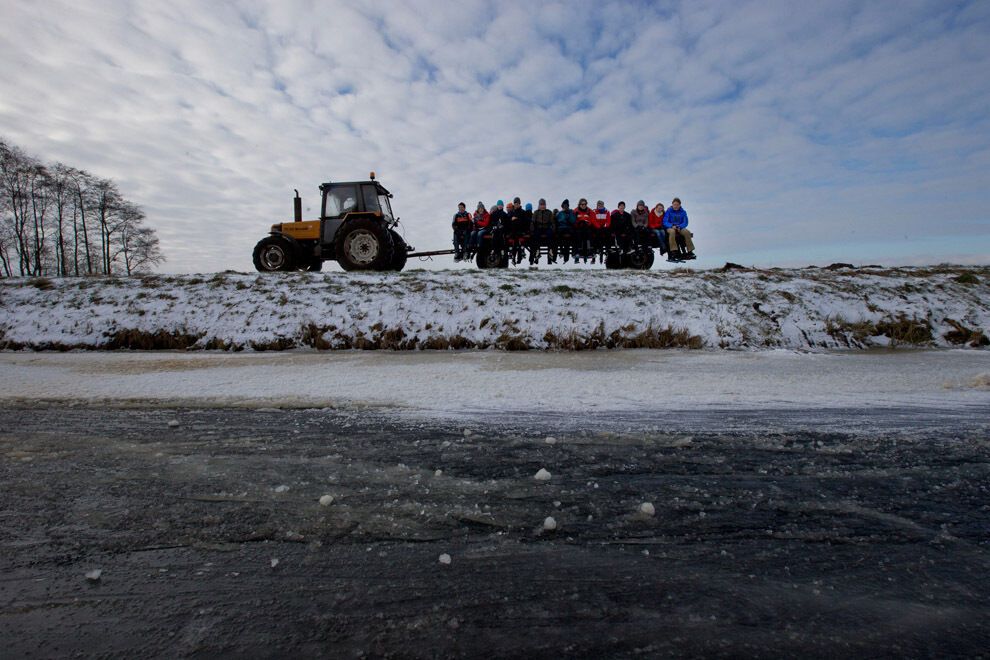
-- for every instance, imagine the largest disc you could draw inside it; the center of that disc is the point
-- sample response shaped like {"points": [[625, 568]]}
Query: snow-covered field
{"points": [[814, 308]]}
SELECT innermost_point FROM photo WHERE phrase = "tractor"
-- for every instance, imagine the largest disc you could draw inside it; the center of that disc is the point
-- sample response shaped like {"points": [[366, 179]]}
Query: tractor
{"points": [[356, 229]]}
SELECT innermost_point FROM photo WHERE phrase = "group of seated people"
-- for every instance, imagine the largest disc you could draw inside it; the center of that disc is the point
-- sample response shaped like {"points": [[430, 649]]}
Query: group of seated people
{"points": [[583, 233]]}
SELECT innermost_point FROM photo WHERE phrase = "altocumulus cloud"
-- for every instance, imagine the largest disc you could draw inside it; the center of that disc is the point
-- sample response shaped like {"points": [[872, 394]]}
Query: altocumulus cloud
{"points": [[794, 133]]}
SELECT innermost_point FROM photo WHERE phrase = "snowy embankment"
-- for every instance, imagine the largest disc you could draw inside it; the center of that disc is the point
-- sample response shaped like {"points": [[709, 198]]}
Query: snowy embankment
{"points": [[512, 310]]}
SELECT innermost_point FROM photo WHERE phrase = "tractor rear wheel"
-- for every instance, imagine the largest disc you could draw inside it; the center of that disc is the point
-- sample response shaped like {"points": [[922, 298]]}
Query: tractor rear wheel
{"points": [[400, 251], [364, 244], [273, 253]]}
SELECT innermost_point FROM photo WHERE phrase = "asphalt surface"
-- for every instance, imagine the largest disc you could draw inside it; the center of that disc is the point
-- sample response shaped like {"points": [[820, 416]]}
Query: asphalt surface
{"points": [[773, 535]]}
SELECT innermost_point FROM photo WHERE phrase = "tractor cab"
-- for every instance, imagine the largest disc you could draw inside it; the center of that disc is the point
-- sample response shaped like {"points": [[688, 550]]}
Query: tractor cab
{"points": [[343, 197]]}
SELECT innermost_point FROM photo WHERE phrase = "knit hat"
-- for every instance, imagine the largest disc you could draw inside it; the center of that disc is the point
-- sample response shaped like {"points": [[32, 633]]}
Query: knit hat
{"points": [[529, 207], [566, 204], [500, 203], [480, 205], [640, 203], [543, 201], [516, 201]]}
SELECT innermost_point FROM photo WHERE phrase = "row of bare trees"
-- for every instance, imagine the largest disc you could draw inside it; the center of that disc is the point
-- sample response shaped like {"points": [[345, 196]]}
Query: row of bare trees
{"points": [[59, 220]]}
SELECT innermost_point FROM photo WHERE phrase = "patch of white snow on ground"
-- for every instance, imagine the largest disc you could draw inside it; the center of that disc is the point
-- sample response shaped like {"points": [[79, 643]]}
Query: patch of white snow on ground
{"points": [[435, 383]]}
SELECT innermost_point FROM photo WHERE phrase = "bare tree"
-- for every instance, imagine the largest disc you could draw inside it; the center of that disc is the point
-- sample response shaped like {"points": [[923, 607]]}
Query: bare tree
{"points": [[47, 210], [39, 182], [60, 190], [6, 242], [82, 183], [138, 244], [107, 202], [14, 164]]}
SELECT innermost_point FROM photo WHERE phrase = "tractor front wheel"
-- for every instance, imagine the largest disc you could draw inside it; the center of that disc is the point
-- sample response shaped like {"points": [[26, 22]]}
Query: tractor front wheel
{"points": [[274, 254], [364, 244]]}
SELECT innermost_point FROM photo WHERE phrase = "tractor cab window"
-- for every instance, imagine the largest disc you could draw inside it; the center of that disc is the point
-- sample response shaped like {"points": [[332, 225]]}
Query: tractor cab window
{"points": [[385, 206], [370, 198], [340, 200]]}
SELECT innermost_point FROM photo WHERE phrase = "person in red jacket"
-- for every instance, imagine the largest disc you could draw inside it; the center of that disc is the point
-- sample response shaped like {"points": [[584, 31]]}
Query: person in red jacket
{"points": [[656, 226], [600, 236], [461, 224], [480, 222], [582, 231]]}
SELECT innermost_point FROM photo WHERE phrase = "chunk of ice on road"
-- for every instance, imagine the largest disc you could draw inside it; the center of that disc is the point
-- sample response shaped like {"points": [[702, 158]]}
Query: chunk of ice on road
{"points": [[172, 423], [468, 433], [281, 489], [542, 475], [274, 562], [647, 508], [445, 559], [94, 575], [551, 440], [326, 500], [438, 473], [549, 524]]}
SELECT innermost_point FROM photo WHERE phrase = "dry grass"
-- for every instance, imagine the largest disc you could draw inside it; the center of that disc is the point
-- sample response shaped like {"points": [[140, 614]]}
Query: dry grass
{"points": [[900, 330], [143, 340], [961, 335]]}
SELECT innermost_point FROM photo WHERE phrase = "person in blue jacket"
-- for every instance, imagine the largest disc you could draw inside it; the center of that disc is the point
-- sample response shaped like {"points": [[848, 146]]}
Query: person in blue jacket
{"points": [[566, 220], [679, 237]]}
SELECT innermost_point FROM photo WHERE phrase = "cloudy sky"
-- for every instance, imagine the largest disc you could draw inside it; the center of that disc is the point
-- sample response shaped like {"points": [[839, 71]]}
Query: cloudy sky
{"points": [[795, 133]]}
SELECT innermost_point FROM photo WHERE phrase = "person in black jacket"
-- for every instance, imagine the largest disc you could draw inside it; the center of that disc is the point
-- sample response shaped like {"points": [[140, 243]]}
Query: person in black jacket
{"points": [[622, 228], [517, 229], [542, 233], [496, 225], [462, 225]]}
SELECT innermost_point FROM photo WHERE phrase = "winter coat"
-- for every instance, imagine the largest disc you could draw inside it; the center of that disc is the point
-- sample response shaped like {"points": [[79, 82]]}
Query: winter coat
{"points": [[497, 218], [566, 219], [584, 216], [676, 218], [656, 221], [621, 221], [542, 219], [519, 221], [640, 219], [481, 219], [602, 219], [461, 221]]}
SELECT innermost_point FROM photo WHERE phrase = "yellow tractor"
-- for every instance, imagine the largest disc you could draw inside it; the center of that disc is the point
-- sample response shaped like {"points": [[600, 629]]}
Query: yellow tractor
{"points": [[356, 229]]}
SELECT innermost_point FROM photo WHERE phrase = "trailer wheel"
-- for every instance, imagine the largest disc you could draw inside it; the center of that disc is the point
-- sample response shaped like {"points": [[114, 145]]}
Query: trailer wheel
{"points": [[613, 261], [641, 259], [274, 254], [400, 251], [364, 244], [489, 258]]}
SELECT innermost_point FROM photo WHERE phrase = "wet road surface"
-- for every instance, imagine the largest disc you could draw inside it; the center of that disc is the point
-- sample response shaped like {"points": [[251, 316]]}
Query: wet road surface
{"points": [[772, 536]]}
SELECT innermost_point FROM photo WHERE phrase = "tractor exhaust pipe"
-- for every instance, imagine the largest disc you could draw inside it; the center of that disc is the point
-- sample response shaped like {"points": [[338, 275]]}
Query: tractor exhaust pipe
{"points": [[297, 206]]}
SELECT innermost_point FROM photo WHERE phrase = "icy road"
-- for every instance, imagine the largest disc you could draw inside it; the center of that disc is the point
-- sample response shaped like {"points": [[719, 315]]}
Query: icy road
{"points": [[612, 504]]}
